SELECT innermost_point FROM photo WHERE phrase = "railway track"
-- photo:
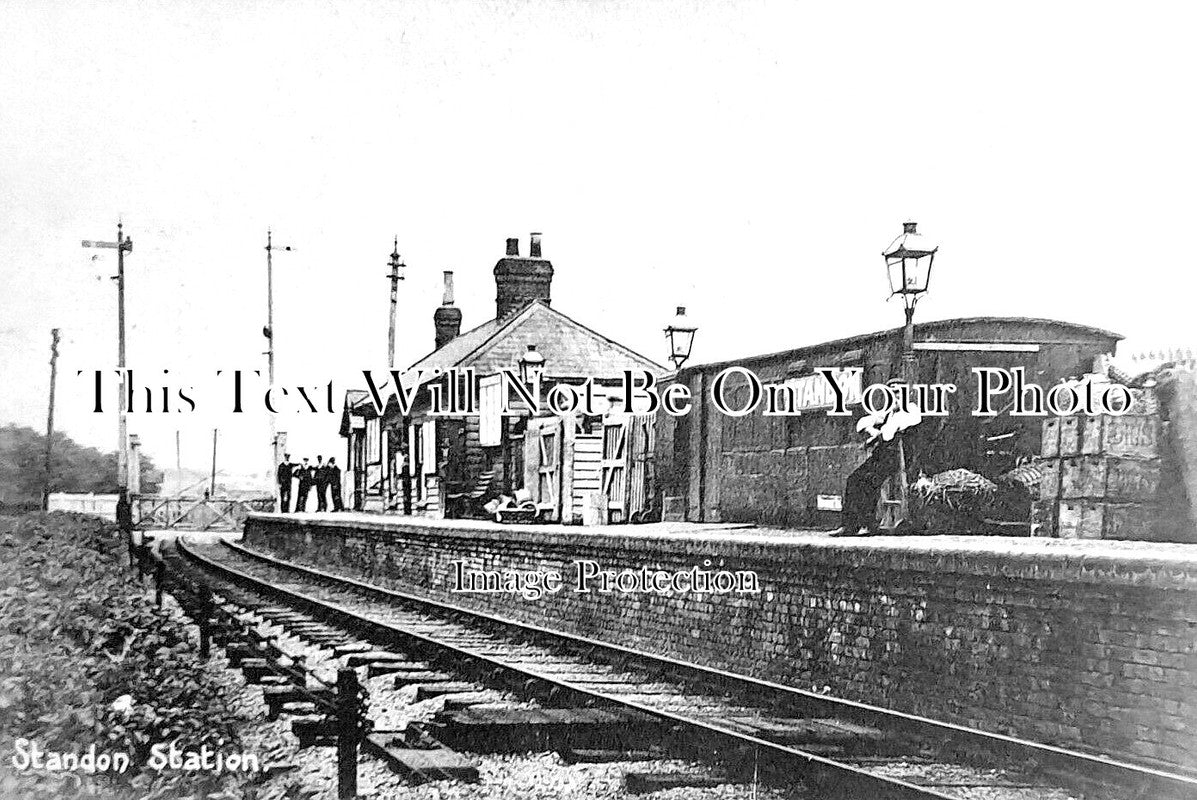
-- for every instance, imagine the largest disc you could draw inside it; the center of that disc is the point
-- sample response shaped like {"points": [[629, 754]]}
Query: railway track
{"points": [[753, 728]]}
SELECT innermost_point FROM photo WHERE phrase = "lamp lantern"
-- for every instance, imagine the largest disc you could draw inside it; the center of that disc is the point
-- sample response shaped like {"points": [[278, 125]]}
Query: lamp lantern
{"points": [[531, 365], [680, 333], [908, 261]]}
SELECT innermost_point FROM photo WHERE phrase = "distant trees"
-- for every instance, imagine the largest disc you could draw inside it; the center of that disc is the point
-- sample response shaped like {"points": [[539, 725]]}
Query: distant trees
{"points": [[73, 467]]}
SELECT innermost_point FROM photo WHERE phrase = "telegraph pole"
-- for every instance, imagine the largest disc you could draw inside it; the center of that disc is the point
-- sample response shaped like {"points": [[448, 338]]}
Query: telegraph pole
{"points": [[122, 245], [212, 485], [50, 418], [268, 332], [396, 275]]}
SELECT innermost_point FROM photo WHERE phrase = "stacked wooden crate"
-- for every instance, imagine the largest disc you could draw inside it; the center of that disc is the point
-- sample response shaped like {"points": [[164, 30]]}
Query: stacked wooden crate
{"points": [[1101, 474]]}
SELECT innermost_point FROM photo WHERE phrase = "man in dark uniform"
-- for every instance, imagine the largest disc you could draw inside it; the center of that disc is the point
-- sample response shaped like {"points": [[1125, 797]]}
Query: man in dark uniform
{"points": [[321, 477], [334, 484], [305, 475], [284, 473]]}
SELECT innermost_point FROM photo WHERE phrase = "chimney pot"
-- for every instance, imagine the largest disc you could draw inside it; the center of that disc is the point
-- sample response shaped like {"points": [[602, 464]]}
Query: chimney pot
{"points": [[447, 319], [520, 281], [534, 246]]}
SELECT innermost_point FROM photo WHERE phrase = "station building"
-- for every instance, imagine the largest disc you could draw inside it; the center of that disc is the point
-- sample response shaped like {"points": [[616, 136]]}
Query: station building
{"points": [[426, 464]]}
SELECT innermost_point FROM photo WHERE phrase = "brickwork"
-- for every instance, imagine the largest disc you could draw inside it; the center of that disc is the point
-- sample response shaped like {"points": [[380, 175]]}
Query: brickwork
{"points": [[1073, 643]]}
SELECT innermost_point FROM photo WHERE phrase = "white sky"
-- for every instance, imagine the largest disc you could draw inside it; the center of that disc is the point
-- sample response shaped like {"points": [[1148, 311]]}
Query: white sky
{"points": [[748, 160]]}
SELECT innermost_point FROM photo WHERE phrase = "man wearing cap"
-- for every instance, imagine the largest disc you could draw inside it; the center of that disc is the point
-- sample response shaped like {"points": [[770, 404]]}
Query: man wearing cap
{"points": [[334, 483], [306, 477], [320, 481], [283, 475]]}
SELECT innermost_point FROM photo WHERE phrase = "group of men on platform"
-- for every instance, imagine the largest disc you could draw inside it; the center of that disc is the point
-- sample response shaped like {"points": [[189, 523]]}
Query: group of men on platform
{"points": [[324, 478]]}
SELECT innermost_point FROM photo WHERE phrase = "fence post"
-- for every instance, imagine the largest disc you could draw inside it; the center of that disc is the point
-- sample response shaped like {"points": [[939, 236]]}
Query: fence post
{"points": [[205, 622], [143, 559], [159, 580], [347, 733]]}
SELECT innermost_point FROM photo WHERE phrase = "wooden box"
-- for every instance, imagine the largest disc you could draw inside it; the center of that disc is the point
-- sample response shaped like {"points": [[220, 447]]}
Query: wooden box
{"points": [[1130, 521], [1091, 430], [1132, 480], [1080, 519], [1136, 437], [1049, 486], [674, 509], [1050, 445], [1043, 518], [1070, 436], [1083, 476]]}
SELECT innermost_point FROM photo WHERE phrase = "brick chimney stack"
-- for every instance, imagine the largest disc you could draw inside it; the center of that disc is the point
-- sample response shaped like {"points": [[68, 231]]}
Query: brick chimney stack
{"points": [[447, 318], [520, 281]]}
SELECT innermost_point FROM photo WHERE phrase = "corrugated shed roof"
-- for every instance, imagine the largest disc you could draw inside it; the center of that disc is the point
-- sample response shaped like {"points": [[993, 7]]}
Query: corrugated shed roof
{"points": [[923, 331]]}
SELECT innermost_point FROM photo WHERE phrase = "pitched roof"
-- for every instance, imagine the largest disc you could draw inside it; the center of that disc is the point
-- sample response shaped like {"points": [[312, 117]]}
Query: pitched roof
{"points": [[570, 349]]}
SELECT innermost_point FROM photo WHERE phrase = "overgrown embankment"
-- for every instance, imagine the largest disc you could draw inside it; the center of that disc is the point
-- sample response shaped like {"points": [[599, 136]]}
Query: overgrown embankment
{"points": [[87, 659]]}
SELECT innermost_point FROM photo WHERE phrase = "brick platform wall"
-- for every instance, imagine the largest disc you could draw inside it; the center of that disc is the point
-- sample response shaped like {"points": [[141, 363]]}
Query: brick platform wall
{"points": [[1085, 644]]}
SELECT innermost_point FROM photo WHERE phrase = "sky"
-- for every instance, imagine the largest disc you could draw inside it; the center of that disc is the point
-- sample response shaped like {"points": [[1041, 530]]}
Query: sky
{"points": [[749, 160]]}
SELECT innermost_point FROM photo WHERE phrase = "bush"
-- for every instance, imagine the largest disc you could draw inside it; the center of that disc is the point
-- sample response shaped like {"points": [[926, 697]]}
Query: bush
{"points": [[77, 634]]}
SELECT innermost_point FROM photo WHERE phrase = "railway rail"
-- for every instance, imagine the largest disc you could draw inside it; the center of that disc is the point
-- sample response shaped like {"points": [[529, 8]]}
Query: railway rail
{"points": [[784, 735]]}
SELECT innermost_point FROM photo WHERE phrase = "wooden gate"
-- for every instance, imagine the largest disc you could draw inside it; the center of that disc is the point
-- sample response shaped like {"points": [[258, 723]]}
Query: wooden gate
{"points": [[626, 465], [564, 465], [196, 513], [615, 468]]}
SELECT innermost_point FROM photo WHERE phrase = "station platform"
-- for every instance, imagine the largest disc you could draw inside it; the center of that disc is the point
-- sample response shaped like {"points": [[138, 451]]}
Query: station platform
{"points": [[1122, 553], [1072, 642]]}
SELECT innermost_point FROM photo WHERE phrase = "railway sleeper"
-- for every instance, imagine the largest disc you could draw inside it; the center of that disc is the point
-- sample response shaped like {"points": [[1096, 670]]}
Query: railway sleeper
{"points": [[374, 669], [826, 736], [648, 782], [577, 755], [427, 691], [370, 657], [237, 652], [315, 731], [276, 697], [256, 670], [522, 730], [421, 765], [407, 677]]}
